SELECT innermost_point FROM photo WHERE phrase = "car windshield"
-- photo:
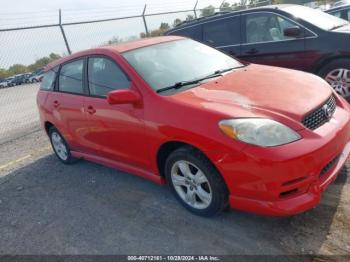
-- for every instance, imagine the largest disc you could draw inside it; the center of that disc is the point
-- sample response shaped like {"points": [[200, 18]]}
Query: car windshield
{"points": [[316, 17], [165, 64]]}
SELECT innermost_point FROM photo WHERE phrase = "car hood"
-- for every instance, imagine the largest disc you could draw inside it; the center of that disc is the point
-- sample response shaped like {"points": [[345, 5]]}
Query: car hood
{"points": [[260, 90]]}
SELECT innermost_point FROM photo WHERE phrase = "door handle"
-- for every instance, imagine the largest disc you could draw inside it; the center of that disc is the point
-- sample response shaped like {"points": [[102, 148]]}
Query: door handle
{"points": [[56, 103], [252, 51], [91, 110]]}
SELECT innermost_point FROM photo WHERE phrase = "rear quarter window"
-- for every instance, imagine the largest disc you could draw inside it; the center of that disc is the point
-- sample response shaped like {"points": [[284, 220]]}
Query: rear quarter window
{"points": [[49, 79]]}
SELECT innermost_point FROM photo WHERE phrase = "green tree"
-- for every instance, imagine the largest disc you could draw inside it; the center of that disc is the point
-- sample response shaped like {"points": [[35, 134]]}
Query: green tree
{"points": [[158, 32], [54, 56], [114, 40], [3, 73], [41, 62], [164, 26], [17, 69], [225, 7], [176, 22], [243, 2], [208, 11], [189, 17]]}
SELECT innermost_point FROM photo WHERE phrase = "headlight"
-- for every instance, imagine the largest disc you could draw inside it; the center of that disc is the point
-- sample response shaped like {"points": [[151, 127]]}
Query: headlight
{"points": [[258, 131]]}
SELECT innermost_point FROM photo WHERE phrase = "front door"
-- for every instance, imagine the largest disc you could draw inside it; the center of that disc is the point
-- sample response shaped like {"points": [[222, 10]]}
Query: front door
{"points": [[117, 131]]}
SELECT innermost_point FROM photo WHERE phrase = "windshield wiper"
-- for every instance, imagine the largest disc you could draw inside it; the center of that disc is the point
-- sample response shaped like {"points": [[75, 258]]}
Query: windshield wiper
{"points": [[196, 81], [221, 71], [187, 83]]}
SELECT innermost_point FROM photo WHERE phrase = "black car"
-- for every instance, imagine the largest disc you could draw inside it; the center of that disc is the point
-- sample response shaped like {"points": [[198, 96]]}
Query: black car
{"points": [[291, 36], [340, 11]]}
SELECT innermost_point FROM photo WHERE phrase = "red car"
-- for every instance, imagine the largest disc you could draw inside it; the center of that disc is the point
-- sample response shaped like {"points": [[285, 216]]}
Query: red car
{"points": [[219, 132]]}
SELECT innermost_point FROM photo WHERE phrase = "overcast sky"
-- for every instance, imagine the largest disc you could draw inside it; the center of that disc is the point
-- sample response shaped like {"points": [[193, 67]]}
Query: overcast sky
{"points": [[25, 46]]}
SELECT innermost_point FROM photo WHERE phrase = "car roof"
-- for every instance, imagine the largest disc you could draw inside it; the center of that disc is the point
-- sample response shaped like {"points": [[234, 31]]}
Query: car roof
{"points": [[117, 48], [341, 7], [227, 14]]}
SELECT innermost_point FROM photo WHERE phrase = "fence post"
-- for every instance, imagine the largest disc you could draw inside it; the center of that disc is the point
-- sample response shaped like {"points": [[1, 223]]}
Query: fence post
{"points": [[194, 10], [144, 20], [62, 31]]}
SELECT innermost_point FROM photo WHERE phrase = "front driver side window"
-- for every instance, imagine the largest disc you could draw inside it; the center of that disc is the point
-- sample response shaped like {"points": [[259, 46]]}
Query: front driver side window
{"points": [[104, 76], [266, 27]]}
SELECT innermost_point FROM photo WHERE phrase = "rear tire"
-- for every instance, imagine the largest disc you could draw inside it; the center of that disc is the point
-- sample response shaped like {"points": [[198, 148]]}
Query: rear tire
{"points": [[195, 182], [60, 147], [337, 74]]}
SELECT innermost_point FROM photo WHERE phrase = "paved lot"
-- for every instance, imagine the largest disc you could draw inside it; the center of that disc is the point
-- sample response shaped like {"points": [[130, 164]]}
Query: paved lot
{"points": [[18, 112], [50, 208]]}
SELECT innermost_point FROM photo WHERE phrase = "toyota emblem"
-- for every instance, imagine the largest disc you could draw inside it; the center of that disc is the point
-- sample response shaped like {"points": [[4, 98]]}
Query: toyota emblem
{"points": [[327, 111]]}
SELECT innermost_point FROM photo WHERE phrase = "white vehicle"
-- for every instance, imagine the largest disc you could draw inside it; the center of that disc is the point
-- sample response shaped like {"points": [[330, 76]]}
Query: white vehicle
{"points": [[4, 82]]}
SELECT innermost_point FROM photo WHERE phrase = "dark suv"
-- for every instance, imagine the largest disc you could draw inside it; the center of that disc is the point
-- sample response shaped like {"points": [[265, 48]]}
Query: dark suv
{"points": [[290, 36]]}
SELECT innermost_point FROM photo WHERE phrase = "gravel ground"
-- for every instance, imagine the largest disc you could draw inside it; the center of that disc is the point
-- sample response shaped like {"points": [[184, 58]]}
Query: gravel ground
{"points": [[47, 207], [18, 111]]}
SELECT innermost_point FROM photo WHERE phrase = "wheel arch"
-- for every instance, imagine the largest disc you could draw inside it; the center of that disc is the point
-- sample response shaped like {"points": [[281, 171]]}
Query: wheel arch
{"points": [[47, 126], [323, 62], [170, 146]]}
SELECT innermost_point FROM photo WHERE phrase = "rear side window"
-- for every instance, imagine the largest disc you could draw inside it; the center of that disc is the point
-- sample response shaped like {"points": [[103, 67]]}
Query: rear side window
{"points": [[222, 32], [71, 77], [104, 76], [49, 79]]}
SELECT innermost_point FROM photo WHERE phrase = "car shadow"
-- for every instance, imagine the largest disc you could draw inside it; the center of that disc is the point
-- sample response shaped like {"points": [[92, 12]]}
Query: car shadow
{"points": [[47, 207]]}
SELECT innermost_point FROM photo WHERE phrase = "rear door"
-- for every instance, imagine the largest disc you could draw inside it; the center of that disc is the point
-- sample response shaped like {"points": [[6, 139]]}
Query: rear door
{"points": [[264, 41], [66, 103], [224, 34]]}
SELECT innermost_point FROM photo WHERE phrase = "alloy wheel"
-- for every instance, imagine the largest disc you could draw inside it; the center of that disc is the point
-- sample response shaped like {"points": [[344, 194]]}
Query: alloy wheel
{"points": [[59, 146], [339, 79], [191, 184]]}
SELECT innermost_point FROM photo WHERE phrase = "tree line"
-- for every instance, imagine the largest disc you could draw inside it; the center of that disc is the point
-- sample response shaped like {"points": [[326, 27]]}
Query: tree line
{"points": [[21, 69]]}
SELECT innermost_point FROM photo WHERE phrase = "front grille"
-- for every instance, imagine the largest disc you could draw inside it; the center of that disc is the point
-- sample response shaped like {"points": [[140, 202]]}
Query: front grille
{"points": [[329, 165], [321, 115]]}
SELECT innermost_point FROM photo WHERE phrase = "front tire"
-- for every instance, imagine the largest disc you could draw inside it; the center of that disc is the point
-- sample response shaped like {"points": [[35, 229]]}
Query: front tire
{"points": [[60, 146], [337, 74], [196, 183]]}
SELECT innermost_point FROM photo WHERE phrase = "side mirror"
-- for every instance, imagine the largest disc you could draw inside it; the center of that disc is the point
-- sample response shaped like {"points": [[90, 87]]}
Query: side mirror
{"points": [[294, 31], [123, 96]]}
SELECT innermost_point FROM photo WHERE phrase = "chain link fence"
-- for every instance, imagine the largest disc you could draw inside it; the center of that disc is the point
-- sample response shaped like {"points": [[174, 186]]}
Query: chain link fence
{"points": [[29, 40]]}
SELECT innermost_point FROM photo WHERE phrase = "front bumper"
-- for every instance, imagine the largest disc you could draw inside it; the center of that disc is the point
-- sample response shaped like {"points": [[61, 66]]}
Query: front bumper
{"points": [[289, 179], [294, 204]]}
